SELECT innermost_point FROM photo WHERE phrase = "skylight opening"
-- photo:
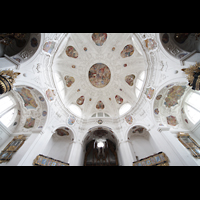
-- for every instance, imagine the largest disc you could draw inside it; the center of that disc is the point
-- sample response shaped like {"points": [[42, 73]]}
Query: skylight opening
{"points": [[124, 108], [139, 83], [75, 110]]}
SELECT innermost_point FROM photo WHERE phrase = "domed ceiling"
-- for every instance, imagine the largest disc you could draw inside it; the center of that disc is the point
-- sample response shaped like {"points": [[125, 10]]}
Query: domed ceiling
{"points": [[97, 72]]}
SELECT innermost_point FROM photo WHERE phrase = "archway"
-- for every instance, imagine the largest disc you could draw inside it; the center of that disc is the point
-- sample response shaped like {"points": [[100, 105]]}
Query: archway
{"points": [[141, 143], [100, 148], [60, 144]]}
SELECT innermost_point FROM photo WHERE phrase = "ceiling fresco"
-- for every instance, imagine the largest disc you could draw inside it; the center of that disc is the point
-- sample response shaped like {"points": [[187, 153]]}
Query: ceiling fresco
{"points": [[119, 99], [69, 80], [91, 65], [29, 101], [99, 38], [127, 51], [173, 95], [100, 105], [99, 75], [80, 100], [71, 52], [129, 79]]}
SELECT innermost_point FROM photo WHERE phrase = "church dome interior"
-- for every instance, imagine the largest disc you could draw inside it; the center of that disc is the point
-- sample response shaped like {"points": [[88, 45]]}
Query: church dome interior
{"points": [[97, 73], [99, 99]]}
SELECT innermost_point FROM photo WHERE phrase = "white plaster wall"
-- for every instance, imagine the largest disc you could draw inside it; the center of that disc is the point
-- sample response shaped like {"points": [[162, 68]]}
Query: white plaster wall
{"points": [[141, 146], [59, 147]]}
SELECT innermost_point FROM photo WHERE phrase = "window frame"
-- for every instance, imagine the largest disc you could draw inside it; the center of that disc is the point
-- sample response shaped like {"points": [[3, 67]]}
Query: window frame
{"points": [[8, 109], [186, 105], [136, 83]]}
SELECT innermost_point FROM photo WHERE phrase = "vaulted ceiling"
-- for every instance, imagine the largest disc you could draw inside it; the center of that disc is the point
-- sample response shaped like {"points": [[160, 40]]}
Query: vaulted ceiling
{"points": [[97, 72]]}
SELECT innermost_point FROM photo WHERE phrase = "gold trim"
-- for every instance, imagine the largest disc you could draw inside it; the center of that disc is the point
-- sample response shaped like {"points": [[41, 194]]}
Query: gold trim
{"points": [[42, 160], [192, 146], [7, 153], [7, 78], [159, 159]]}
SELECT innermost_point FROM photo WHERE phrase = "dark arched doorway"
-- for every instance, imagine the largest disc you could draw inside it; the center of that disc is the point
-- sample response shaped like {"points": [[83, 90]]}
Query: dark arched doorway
{"points": [[101, 149]]}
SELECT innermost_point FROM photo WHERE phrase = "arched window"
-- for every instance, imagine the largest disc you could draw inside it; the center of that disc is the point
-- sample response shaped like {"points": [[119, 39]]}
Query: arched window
{"points": [[100, 114], [124, 108], [139, 83], [7, 110], [192, 106], [75, 110]]}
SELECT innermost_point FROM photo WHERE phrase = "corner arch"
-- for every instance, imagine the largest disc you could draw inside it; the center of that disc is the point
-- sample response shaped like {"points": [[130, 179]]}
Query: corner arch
{"points": [[137, 124], [72, 132]]}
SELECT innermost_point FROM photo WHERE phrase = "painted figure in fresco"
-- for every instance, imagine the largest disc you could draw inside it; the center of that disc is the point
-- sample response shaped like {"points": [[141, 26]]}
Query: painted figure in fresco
{"points": [[50, 94], [99, 38], [99, 75], [30, 122], [62, 132], [48, 47], [138, 129], [69, 80], [149, 92], [151, 44], [71, 52], [71, 120], [118, 99], [171, 120], [156, 111], [174, 94], [41, 99], [29, 101], [129, 119], [129, 79], [159, 97], [127, 51], [100, 105], [80, 100]]}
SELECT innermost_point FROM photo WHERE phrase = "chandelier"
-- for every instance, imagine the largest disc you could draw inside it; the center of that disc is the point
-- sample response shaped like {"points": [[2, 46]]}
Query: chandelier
{"points": [[193, 76], [7, 78]]}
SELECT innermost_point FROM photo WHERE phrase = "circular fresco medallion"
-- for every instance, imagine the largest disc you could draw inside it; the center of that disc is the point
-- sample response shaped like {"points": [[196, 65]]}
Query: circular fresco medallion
{"points": [[99, 75]]}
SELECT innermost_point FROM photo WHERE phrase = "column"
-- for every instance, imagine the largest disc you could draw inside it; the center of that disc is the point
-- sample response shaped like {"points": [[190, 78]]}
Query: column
{"points": [[167, 143], [76, 157], [125, 153]]}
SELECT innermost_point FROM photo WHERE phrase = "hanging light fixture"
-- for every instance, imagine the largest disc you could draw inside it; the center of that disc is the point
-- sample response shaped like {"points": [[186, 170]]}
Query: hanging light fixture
{"points": [[193, 76], [7, 78]]}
